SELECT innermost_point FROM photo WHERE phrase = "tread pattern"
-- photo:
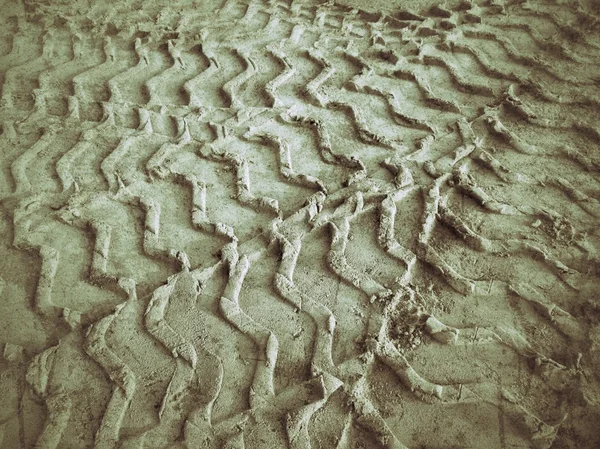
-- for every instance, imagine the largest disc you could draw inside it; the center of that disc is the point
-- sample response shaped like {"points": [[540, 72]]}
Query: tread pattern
{"points": [[255, 225]]}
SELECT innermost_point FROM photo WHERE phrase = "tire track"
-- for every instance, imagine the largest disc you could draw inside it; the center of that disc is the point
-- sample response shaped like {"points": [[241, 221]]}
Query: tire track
{"points": [[492, 183]]}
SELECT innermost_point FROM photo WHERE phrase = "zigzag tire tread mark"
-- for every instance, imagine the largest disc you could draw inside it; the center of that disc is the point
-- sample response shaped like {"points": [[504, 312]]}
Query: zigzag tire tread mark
{"points": [[305, 204]]}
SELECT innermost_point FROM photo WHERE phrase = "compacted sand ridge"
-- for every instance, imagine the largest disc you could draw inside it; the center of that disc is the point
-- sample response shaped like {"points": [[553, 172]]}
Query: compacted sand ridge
{"points": [[299, 224]]}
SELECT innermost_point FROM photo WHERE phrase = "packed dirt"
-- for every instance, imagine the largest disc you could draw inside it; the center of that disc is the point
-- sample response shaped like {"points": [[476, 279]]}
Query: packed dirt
{"points": [[293, 224]]}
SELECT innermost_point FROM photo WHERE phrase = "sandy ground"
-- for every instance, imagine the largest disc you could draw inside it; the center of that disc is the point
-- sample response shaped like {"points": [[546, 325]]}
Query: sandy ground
{"points": [[266, 224]]}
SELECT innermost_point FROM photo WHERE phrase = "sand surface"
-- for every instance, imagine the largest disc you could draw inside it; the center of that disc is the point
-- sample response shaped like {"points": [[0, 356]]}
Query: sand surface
{"points": [[293, 224]]}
